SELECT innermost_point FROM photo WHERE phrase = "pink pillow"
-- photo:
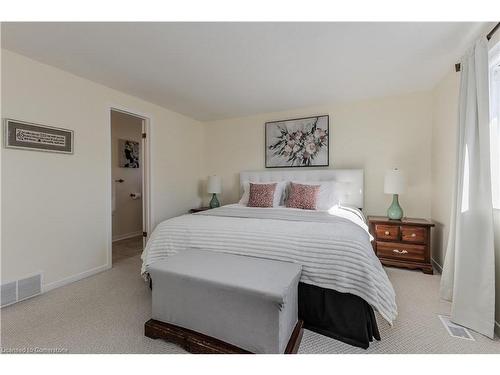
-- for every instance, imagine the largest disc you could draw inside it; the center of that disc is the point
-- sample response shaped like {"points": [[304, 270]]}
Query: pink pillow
{"points": [[261, 195], [303, 196]]}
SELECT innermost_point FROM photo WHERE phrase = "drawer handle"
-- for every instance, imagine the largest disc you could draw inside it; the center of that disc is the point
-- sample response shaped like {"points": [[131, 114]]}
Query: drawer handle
{"points": [[414, 235], [387, 233], [400, 251]]}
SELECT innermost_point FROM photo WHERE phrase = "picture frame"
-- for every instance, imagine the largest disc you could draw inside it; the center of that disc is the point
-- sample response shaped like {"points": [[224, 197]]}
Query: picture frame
{"points": [[36, 137], [129, 153], [298, 142]]}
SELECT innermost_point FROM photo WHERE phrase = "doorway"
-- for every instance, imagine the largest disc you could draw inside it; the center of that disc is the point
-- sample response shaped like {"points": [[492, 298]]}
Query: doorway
{"points": [[129, 184]]}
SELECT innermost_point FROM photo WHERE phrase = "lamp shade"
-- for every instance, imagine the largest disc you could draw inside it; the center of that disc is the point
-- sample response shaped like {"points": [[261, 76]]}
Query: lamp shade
{"points": [[394, 182], [214, 185]]}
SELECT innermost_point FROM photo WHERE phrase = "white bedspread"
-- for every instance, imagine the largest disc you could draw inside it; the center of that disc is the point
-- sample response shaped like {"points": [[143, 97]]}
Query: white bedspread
{"points": [[333, 247]]}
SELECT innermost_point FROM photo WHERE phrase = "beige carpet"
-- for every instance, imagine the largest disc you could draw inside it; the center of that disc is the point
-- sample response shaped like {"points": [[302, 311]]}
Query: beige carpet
{"points": [[126, 248], [106, 313]]}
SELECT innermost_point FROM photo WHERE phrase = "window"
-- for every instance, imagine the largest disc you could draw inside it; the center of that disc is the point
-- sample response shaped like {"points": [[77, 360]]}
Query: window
{"points": [[495, 123]]}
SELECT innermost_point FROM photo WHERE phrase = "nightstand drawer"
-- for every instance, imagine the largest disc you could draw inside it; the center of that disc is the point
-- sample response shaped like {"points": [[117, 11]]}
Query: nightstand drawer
{"points": [[401, 251], [413, 234], [387, 232]]}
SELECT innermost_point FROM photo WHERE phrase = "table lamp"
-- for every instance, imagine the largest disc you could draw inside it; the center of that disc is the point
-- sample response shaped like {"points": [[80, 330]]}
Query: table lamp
{"points": [[395, 184], [214, 187]]}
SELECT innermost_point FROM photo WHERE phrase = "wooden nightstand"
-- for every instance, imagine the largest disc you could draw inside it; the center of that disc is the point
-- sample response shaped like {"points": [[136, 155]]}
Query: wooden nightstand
{"points": [[199, 209], [402, 243]]}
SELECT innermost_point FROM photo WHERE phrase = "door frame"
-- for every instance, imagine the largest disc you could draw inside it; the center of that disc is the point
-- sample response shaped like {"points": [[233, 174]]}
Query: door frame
{"points": [[146, 175]]}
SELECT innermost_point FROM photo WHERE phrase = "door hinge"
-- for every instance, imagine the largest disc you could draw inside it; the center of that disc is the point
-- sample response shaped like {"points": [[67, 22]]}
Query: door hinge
{"points": [[144, 234], [143, 135]]}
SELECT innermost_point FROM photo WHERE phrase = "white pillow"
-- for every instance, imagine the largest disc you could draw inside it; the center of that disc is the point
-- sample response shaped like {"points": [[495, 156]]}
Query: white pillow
{"points": [[279, 193], [342, 192], [330, 193]]}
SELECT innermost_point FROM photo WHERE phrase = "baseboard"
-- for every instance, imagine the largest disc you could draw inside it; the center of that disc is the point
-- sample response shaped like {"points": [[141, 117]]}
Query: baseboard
{"points": [[126, 235], [72, 279], [497, 328], [437, 265]]}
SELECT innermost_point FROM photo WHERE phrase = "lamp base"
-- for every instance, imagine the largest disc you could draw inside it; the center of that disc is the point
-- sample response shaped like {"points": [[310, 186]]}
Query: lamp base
{"points": [[214, 202], [395, 212]]}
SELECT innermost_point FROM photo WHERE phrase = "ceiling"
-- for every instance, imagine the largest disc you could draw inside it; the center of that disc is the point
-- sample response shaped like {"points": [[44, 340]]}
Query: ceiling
{"points": [[212, 71]]}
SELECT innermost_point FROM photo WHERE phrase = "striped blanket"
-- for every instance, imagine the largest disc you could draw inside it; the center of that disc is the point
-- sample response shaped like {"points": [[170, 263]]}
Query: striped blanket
{"points": [[333, 247]]}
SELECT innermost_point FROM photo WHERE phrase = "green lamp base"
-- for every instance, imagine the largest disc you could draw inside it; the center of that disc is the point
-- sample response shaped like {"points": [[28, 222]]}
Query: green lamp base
{"points": [[395, 212], [214, 202]]}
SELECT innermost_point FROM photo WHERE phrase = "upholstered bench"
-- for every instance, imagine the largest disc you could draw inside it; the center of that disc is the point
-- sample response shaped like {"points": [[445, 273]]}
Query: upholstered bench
{"points": [[211, 302]]}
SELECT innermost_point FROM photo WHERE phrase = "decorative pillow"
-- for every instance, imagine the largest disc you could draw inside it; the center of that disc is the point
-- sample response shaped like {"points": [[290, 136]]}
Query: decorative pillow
{"points": [[261, 195], [279, 193], [330, 193], [303, 196]]}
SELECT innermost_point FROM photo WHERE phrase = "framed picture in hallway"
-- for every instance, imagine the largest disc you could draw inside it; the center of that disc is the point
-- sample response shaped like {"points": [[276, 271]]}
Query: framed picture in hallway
{"points": [[301, 142], [129, 153]]}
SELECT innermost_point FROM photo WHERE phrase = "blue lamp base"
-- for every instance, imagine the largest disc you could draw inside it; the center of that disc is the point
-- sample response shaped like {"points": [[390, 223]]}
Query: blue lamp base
{"points": [[395, 212], [214, 202]]}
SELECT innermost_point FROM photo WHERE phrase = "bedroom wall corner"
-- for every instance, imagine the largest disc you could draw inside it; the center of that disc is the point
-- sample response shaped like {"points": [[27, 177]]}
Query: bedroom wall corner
{"points": [[496, 223], [444, 134], [375, 134], [1, 161], [55, 207], [204, 172]]}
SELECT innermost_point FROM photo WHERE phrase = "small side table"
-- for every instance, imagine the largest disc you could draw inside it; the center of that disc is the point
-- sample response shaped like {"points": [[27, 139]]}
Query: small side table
{"points": [[199, 209], [402, 243]]}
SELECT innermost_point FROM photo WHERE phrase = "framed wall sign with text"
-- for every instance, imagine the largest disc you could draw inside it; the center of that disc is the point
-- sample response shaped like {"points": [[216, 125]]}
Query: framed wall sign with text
{"points": [[29, 136]]}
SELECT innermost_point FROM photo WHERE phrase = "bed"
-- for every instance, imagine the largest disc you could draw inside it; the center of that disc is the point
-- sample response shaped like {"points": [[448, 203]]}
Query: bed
{"points": [[342, 280]]}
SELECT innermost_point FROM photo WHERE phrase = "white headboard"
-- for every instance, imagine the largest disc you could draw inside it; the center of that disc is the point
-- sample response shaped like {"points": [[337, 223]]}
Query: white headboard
{"points": [[354, 179]]}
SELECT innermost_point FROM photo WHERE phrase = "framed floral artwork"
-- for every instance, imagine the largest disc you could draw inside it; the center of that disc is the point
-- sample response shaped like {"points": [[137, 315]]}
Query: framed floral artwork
{"points": [[300, 142]]}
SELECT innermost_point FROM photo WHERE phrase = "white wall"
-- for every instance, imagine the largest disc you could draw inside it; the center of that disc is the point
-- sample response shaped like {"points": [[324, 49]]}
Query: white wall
{"points": [[56, 208], [375, 135], [444, 141], [127, 216], [496, 223], [444, 145]]}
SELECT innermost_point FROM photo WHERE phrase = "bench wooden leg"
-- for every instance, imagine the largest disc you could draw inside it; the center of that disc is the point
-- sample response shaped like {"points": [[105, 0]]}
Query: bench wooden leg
{"points": [[199, 343], [295, 339]]}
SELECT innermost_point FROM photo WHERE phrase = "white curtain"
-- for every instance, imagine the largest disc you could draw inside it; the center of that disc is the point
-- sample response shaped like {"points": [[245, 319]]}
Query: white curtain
{"points": [[468, 278]]}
